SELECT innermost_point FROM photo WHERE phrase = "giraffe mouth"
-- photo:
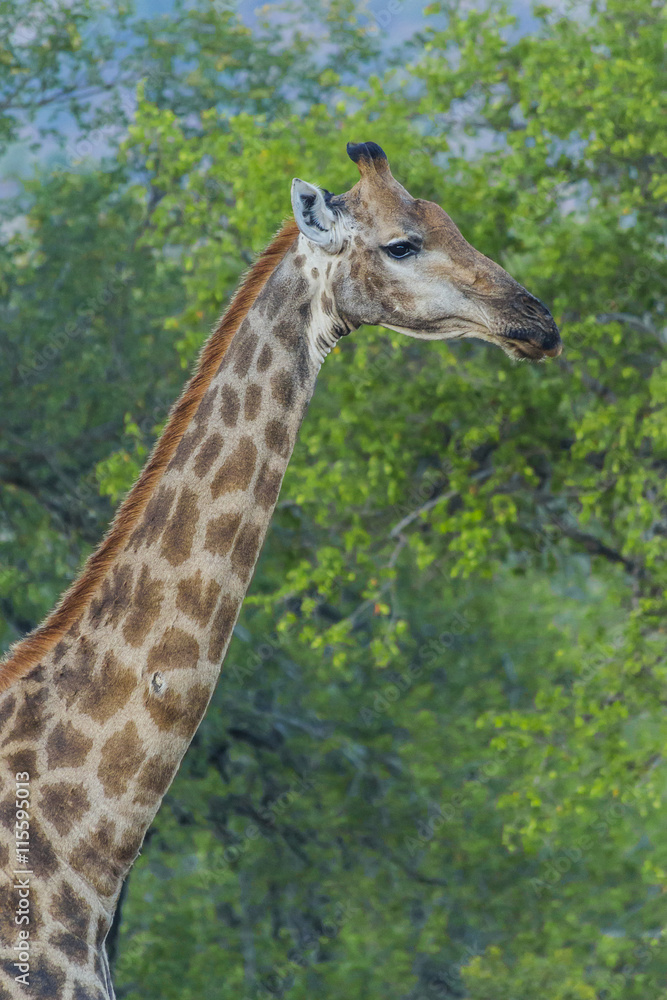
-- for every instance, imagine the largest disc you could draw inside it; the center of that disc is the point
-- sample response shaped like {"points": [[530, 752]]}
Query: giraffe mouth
{"points": [[536, 339], [520, 345], [527, 350]]}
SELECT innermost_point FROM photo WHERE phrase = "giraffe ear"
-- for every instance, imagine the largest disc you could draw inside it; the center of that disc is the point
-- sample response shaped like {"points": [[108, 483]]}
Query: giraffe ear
{"points": [[314, 218]]}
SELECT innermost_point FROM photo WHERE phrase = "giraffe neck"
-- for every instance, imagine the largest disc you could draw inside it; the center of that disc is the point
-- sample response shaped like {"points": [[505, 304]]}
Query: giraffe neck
{"points": [[102, 722]]}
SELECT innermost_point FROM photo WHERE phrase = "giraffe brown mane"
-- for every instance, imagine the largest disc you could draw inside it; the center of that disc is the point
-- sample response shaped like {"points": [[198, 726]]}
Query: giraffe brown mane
{"points": [[28, 651]]}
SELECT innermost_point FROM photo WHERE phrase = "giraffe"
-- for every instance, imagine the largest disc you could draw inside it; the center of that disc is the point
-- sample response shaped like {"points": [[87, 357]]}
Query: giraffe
{"points": [[100, 703]]}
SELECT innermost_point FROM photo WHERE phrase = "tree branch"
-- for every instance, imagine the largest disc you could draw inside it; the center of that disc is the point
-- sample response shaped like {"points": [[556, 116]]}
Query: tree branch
{"points": [[634, 321], [594, 545]]}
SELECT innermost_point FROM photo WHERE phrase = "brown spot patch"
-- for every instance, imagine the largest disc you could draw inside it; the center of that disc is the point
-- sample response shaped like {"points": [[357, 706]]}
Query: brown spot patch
{"points": [[267, 486], [252, 401], [7, 706], [71, 910], [221, 532], [305, 312], [176, 650], [82, 992], [114, 597], [109, 690], [245, 549], [75, 628], [207, 454], [63, 805], [31, 718], [193, 437], [230, 405], [286, 332], [153, 780], [59, 650], [122, 756], [265, 358], [72, 677], [36, 674], [128, 845], [177, 539], [46, 980], [222, 627], [67, 746], [43, 858], [196, 598], [181, 714], [277, 437], [73, 947], [145, 608], [237, 470], [8, 811], [94, 858], [23, 760], [205, 408], [299, 286], [190, 440], [155, 516], [283, 389], [245, 345]]}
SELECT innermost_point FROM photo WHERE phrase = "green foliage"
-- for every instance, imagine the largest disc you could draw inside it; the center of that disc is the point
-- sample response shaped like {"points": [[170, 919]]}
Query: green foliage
{"points": [[434, 764], [56, 57]]}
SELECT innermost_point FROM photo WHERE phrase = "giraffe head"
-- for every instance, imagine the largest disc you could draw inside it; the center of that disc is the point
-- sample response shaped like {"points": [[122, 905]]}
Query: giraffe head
{"points": [[400, 262]]}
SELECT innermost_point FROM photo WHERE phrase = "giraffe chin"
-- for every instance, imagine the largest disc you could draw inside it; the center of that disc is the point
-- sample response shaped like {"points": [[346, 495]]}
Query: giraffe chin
{"points": [[525, 350]]}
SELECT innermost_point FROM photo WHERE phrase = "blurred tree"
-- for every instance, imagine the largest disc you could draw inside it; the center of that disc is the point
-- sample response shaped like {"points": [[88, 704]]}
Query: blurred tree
{"points": [[57, 57], [433, 766]]}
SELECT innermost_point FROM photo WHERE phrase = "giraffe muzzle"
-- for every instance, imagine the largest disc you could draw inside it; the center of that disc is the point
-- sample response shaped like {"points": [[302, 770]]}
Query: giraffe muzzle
{"points": [[532, 332]]}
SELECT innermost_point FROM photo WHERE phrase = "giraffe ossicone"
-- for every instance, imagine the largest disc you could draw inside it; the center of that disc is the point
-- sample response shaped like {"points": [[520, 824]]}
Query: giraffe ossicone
{"points": [[100, 703]]}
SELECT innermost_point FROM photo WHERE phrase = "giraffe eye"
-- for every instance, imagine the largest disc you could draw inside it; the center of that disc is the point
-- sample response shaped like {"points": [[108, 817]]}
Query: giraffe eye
{"points": [[402, 249]]}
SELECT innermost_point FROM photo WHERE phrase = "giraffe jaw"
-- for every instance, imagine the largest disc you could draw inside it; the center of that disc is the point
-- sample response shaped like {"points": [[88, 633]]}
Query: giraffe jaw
{"points": [[519, 347]]}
